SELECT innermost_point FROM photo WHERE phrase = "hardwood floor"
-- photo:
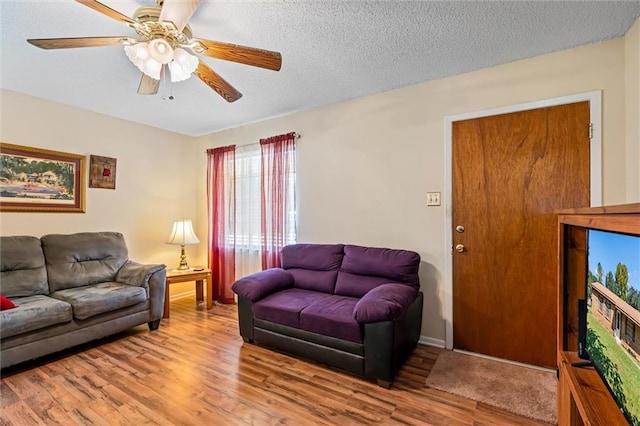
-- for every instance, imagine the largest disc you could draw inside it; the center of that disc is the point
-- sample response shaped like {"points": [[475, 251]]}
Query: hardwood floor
{"points": [[196, 370]]}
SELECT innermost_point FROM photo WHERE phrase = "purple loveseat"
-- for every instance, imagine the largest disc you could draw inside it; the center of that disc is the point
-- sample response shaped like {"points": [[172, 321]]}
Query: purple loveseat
{"points": [[355, 308]]}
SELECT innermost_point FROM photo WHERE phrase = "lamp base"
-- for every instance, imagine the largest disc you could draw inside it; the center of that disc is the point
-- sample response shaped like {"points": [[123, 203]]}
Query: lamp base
{"points": [[184, 266]]}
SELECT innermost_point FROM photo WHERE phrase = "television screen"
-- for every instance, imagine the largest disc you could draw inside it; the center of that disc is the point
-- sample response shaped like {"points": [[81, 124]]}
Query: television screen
{"points": [[613, 316]]}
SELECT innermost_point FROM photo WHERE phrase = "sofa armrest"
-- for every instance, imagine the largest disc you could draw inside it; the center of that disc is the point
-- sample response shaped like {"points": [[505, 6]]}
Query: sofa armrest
{"points": [[384, 303], [137, 274], [153, 278], [257, 286]]}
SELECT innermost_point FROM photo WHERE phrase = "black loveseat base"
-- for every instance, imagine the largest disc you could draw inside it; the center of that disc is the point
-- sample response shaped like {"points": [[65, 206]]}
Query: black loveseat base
{"points": [[386, 345]]}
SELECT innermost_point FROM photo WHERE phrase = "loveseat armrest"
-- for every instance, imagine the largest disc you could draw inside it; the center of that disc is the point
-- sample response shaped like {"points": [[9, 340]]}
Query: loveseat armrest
{"points": [[257, 286], [385, 302], [153, 278]]}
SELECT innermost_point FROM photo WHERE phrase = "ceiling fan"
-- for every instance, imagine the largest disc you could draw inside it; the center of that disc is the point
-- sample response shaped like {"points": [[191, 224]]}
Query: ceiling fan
{"points": [[166, 39]]}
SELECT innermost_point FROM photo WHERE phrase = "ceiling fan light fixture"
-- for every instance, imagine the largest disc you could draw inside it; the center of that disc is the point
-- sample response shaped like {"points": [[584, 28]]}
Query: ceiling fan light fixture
{"points": [[161, 50], [152, 68], [137, 53], [183, 65], [140, 55]]}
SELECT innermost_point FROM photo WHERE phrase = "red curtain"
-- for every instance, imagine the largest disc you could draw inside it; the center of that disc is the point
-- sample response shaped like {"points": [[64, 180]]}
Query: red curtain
{"points": [[221, 203], [277, 196]]}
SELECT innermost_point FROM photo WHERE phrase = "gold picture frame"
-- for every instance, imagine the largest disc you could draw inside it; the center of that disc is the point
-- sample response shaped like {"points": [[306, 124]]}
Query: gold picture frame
{"points": [[41, 180], [102, 172]]}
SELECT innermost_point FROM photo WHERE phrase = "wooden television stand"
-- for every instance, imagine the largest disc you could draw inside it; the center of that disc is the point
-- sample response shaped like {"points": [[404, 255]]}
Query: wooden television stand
{"points": [[583, 398]]}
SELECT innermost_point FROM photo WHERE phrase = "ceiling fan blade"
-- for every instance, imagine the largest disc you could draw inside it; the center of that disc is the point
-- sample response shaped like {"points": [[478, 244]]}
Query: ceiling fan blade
{"points": [[242, 54], [66, 43], [178, 11], [217, 83], [106, 10], [148, 85]]}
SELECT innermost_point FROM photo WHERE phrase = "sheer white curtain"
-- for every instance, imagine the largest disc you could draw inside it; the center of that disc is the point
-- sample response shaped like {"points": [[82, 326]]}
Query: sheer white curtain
{"points": [[278, 206], [248, 235]]}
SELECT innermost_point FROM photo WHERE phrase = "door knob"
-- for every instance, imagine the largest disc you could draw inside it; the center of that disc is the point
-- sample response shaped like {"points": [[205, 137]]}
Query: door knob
{"points": [[460, 248], [460, 229]]}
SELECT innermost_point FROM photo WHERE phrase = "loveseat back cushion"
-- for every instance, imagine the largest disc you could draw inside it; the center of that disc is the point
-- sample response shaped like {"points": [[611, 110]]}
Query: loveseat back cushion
{"points": [[23, 271], [313, 266], [317, 257], [321, 281], [82, 259], [364, 268]]}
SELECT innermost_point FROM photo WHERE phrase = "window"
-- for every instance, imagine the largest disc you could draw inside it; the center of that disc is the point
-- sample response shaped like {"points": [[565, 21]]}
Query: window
{"points": [[251, 207], [630, 331], [248, 234]]}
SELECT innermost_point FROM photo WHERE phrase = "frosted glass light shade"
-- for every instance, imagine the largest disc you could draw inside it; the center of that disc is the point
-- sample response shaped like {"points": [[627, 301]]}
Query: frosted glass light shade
{"points": [[183, 65], [152, 68], [139, 55], [160, 50], [182, 233], [150, 57]]}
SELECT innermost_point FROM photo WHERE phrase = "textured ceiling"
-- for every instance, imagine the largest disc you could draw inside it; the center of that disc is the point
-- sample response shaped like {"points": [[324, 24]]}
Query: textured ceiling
{"points": [[331, 51]]}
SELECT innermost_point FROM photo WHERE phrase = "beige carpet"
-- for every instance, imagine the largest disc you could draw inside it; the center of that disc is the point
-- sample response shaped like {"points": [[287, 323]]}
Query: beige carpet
{"points": [[520, 390]]}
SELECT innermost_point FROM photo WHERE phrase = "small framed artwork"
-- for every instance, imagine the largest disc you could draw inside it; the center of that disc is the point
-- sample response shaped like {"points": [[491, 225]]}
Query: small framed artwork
{"points": [[41, 180], [102, 172]]}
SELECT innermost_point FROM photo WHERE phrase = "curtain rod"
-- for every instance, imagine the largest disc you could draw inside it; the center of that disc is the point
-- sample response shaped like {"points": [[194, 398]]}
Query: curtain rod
{"points": [[297, 136]]}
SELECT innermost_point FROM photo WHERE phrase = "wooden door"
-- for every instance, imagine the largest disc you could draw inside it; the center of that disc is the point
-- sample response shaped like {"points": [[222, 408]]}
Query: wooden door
{"points": [[510, 172]]}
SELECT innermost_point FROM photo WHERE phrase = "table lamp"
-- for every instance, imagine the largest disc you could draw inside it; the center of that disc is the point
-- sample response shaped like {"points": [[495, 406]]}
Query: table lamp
{"points": [[182, 234]]}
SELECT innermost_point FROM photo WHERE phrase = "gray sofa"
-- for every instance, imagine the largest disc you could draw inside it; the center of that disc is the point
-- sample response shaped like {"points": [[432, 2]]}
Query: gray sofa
{"points": [[71, 289]]}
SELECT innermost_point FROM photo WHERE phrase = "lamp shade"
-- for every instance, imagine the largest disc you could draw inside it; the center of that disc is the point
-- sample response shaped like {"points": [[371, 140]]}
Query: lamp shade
{"points": [[182, 233]]}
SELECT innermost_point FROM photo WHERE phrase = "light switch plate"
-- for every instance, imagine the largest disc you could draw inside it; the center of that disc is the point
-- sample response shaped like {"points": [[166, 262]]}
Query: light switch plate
{"points": [[433, 198]]}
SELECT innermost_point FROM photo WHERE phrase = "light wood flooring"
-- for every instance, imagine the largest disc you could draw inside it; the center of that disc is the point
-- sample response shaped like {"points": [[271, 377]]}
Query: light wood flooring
{"points": [[195, 370]]}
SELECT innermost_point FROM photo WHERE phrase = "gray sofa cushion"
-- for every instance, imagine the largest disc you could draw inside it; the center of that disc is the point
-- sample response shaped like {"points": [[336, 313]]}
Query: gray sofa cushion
{"points": [[33, 313], [23, 271], [82, 259], [97, 299]]}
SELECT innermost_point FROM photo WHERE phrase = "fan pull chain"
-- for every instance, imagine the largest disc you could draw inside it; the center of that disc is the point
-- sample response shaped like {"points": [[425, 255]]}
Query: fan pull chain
{"points": [[167, 87]]}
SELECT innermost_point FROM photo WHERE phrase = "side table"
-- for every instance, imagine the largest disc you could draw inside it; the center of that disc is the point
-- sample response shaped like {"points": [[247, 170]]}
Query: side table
{"points": [[195, 274]]}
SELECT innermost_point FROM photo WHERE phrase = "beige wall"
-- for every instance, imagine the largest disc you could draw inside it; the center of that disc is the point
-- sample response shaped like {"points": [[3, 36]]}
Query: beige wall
{"points": [[364, 166], [154, 186], [632, 110]]}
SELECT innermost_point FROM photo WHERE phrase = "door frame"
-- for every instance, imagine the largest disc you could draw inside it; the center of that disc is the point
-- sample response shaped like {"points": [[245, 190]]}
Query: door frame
{"points": [[595, 110], [617, 324]]}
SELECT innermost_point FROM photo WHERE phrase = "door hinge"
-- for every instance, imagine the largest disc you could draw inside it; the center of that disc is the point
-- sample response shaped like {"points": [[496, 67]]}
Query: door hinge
{"points": [[590, 130]]}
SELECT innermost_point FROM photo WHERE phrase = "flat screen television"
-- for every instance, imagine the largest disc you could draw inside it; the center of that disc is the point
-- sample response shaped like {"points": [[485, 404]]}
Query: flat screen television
{"points": [[609, 316]]}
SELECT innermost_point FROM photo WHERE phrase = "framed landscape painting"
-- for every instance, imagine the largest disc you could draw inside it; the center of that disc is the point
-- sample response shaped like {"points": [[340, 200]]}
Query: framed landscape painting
{"points": [[40, 180]]}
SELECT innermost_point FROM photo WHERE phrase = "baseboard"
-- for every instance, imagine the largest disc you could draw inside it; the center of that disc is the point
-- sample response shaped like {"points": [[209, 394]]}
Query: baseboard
{"points": [[184, 294], [506, 361], [424, 340]]}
